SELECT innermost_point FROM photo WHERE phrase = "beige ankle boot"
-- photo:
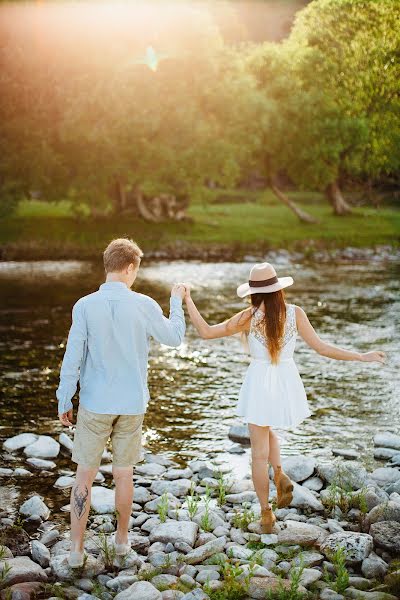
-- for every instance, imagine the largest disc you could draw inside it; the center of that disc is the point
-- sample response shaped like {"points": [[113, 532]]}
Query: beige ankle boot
{"points": [[284, 488]]}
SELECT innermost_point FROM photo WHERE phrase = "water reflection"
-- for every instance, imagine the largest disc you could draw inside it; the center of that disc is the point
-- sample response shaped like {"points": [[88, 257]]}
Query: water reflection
{"points": [[194, 388]]}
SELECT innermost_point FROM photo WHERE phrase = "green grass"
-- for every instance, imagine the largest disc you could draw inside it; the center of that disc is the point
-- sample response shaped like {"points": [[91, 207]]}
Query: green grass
{"points": [[39, 230]]}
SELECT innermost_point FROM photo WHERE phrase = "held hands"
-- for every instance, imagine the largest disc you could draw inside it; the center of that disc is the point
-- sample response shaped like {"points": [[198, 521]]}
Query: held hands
{"points": [[374, 356], [182, 290], [66, 418]]}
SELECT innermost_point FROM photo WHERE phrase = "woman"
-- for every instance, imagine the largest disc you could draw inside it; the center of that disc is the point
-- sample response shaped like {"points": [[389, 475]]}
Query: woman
{"points": [[272, 394]]}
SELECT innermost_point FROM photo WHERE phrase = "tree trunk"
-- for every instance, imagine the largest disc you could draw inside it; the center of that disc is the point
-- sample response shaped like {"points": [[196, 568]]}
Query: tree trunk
{"points": [[145, 211], [118, 195], [301, 214], [335, 198]]}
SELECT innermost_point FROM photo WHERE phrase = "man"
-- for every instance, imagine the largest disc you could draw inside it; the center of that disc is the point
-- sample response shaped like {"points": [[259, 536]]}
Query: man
{"points": [[107, 350]]}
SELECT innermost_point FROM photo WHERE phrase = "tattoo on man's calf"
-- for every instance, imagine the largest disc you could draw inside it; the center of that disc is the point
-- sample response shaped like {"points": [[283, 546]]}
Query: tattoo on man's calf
{"points": [[80, 500]]}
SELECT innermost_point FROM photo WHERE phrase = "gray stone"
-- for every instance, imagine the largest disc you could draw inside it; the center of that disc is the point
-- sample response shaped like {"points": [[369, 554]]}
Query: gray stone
{"points": [[260, 586], [349, 473], [386, 475], [103, 500], [314, 483], [141, 495], [299, 468], [40, 554], [50, 537], [152, 506], [328, 594], [346, 453], [21, 472], [61, 569], [66, 441], [388, 511], [387, 440], [196, 594], [198, 555], [360, 595], [268, 539], [41, 463], [20, 441], [293, 532], [239, 433], [174, 531], [303, 498], [122, 582], [373, 566], [385, 453], [150, 470], [204, 576], [310, 576], [64, 482], [141, 590], [241, 498], [35, 507], [19, 570], [308, 559], [356, 546], [177, 487], [172, 595], [85, 584], [4, 472], [178, 474], [44, 447], [164, 580], [215, 519], [386, 535]]}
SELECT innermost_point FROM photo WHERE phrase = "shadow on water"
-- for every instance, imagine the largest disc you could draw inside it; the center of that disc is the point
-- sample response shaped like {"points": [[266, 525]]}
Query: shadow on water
{"points": [[194, 388]]}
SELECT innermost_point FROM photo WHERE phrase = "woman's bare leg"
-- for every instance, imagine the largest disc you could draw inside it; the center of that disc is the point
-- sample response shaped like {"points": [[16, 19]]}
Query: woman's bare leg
{"points": [[274, 451], [259, 438]]}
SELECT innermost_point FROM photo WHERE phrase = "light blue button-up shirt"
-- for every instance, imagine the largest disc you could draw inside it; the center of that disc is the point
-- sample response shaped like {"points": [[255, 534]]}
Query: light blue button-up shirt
{"points": [[108, 346]]}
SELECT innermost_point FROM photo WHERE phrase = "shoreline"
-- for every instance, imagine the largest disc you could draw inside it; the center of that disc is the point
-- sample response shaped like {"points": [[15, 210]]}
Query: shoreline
{"points": [[195, 530]]}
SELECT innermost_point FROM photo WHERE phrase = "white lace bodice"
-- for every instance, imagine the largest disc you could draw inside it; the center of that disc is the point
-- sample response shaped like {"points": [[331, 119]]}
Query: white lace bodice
{"points": [[258, 343]]}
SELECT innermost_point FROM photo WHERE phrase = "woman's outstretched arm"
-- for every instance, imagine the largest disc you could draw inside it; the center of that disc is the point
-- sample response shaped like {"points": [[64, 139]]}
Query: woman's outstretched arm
{"points": [[310, 336], [236, 324]]}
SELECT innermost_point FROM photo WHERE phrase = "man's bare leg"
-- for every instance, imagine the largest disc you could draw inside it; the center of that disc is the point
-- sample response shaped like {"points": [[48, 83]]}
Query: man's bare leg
{"points": [[80, 505], [123, 501]]}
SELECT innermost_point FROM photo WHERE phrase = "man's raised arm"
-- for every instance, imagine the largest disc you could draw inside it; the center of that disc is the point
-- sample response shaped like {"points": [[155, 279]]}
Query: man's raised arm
{"points": [[168, 331]]}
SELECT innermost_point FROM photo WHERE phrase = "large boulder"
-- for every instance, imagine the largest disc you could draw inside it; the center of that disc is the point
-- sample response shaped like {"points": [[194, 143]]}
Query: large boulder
{"points": [[385, 475], [386, 535], [44, 447], [303, 534], [356, 546], [198, 555], [103, 500], [387, 440], [141, 590], [177, 487], [303, 498], [34, 507], [374, 567], [20, 569], [20, 441], [387, 511], [300, 467], [175, 531], [344, 474]]}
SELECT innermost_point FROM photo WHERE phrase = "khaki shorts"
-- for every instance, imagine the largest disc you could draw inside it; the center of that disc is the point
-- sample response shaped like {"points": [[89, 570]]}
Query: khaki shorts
{"points": [[93, 431]]}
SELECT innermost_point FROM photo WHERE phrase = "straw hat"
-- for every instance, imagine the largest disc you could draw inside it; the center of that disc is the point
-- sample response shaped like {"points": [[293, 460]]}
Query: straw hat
{"points": [[263, 280]]}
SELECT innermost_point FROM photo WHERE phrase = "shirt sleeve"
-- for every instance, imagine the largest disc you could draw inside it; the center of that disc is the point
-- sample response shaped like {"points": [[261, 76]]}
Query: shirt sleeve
{"points": [[72, 361], [167, 331]]}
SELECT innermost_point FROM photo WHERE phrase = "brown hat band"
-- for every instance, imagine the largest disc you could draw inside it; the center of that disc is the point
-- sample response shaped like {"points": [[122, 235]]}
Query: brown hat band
{"points": [[263, 283]]}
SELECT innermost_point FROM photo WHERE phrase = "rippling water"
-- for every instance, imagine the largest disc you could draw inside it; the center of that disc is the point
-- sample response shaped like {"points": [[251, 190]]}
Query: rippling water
{"points": [[194, 388]]}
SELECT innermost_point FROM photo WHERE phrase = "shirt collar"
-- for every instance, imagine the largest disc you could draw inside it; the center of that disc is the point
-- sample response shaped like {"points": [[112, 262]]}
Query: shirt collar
{"points": [[114, 286]]}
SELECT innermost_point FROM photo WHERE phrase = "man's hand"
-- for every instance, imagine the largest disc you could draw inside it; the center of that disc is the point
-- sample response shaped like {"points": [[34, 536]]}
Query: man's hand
{"points": [[178, 290], [66, 418]]}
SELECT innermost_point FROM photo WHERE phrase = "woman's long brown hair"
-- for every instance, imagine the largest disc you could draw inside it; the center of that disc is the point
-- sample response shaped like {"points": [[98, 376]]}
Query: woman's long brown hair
{"points": [[273, 323]]}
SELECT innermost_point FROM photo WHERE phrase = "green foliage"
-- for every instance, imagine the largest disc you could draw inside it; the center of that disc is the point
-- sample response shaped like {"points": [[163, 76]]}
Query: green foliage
{"points": [[107, 550], [223, 488], [340, 582], [162, 507], [242, 519], [192, 502], [205, 521], [4, 572], [291, 592], [234, 585]]}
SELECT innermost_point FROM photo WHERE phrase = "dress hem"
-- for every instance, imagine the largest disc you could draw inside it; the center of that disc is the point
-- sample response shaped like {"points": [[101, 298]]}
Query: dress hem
{"points": [[277, 425]]}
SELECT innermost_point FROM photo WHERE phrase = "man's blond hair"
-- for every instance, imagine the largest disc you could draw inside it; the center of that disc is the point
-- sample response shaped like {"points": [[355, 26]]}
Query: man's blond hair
{"points": [[119, 254]]}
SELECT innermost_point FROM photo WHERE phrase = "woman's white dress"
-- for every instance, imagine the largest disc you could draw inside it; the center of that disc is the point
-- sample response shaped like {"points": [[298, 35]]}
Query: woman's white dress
{"points": [[273, 394]]}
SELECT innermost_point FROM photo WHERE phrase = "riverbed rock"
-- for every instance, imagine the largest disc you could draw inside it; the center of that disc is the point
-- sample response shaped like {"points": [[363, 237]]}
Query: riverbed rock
{"points": [[239, 432], [356, 546], [386, 475], [21, 568], [103, 500], [28, 590], [150, 469], [35, 507], [387, 440], [198, 555], [387, 511], [40, 554], [21, 472], [241, 498], [303, 534], [299, 467], [362, 595], [19, 441], [386, 535], [177, 487], [303, 498], [141, 590], [374, 566], [5, 472], [310, 576], [175, 531], [41, 463], [260, 586], [44, 447], [314, 484], [178, 474], [66, 441], [348, 453], [348, 473], [61, 569], [384, 453], [64, 482]]}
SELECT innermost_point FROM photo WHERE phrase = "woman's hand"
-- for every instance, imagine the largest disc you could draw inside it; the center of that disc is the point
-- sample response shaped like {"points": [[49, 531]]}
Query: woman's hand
{"points": [[374, 356], [179, 290]]}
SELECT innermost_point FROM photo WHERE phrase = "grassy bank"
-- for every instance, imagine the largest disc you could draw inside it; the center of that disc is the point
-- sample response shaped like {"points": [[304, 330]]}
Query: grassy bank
{"points": [[253, 222]]}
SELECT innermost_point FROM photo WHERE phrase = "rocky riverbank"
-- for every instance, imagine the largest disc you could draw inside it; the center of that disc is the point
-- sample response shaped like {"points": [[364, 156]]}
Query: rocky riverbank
{"points": [[195, 534]]}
